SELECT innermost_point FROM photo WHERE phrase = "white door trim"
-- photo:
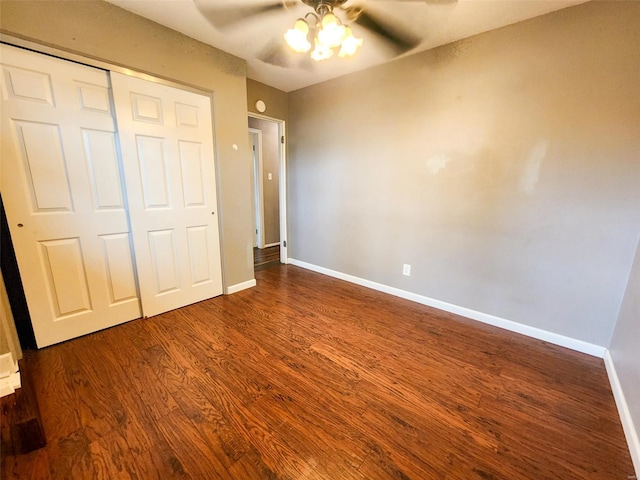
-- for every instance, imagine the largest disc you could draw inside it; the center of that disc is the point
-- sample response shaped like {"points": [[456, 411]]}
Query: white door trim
{"points": [[282, 155], [258, 185]]}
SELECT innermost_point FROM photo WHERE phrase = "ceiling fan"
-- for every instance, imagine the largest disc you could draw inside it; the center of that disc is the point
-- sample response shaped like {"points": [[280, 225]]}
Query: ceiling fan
{"points": [[397, 36]]}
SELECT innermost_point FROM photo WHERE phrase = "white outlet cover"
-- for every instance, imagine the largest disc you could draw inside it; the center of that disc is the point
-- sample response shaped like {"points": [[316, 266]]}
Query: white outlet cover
{"points": [[406, 270]]}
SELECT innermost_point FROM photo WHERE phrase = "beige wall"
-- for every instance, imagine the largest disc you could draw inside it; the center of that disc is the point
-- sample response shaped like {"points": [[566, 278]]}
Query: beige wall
{"points": [[276, 100], [270, 188], [503, 168], [105, 32]]}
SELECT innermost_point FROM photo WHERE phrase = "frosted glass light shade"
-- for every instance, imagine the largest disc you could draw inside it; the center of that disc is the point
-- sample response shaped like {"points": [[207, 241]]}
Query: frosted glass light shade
{"points": [[332, 31], [350, 44], [321, 52], [296, 37]]}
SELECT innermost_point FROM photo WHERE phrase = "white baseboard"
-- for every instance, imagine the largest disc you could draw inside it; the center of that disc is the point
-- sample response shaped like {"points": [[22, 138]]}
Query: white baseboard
{"points": [[231, 289], [629, 428], [9, 375], [556, 339], [10, 384], [271, 244]]}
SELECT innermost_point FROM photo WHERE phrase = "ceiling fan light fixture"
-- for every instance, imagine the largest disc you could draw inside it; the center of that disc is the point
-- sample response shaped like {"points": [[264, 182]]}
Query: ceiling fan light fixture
{"points": [[321, 52], [327, 30], [332, 32], [296, 37], [350, 44]]}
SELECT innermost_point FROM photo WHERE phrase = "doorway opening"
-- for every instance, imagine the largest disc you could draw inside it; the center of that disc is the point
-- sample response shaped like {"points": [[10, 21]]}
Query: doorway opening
{"points": [[264, 258], [269, 214]]}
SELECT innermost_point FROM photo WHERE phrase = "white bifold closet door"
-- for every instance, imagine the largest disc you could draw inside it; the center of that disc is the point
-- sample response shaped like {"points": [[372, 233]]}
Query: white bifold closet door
{"points": [[166, 137], [63, 195], [75, 209]]}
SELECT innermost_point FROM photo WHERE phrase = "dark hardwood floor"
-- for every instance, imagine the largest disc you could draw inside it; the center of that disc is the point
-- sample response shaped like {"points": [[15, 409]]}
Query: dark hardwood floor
{"points": [[266, 257], [308, 377]]}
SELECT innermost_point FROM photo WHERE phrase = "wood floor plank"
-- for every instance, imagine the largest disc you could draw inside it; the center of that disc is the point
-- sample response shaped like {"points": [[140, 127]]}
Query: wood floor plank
{"points": [[266, 257], [397, 463], [574, 412], [308, 377], [563, 439], [55, 392], [7, 449], [252, 467], [131, 370], [225, 442], [258, 427], [314, 436], [70, 457], [35, 464], [160, 463], [194, 454], [94, 398], [111, 458]]}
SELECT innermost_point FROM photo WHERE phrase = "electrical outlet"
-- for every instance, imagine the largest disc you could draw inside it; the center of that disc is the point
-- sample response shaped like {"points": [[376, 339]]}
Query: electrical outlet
{"points": [[406, 270]]}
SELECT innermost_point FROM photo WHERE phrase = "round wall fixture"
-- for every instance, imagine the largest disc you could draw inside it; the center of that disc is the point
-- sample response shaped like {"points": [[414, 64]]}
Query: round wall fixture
{"points": [[261, 106]]}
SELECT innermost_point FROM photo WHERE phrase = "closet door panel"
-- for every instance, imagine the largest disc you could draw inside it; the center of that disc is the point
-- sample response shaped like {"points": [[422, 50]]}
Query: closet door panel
{"points": [[60, 184], [166, 138]]}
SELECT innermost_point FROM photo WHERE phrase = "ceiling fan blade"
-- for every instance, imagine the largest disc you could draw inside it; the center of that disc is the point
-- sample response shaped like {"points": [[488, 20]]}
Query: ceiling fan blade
{"points": [[278, 54], [275, 53], [399, 38], [226, 16]]}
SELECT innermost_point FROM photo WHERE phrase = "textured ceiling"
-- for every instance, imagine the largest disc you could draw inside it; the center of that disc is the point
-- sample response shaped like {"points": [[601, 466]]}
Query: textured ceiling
{"points": [[253, 30]]}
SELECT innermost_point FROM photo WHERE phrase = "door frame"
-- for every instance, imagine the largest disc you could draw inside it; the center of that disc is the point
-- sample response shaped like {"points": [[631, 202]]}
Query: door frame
{"points": [[258, 186], [282, 172]]}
